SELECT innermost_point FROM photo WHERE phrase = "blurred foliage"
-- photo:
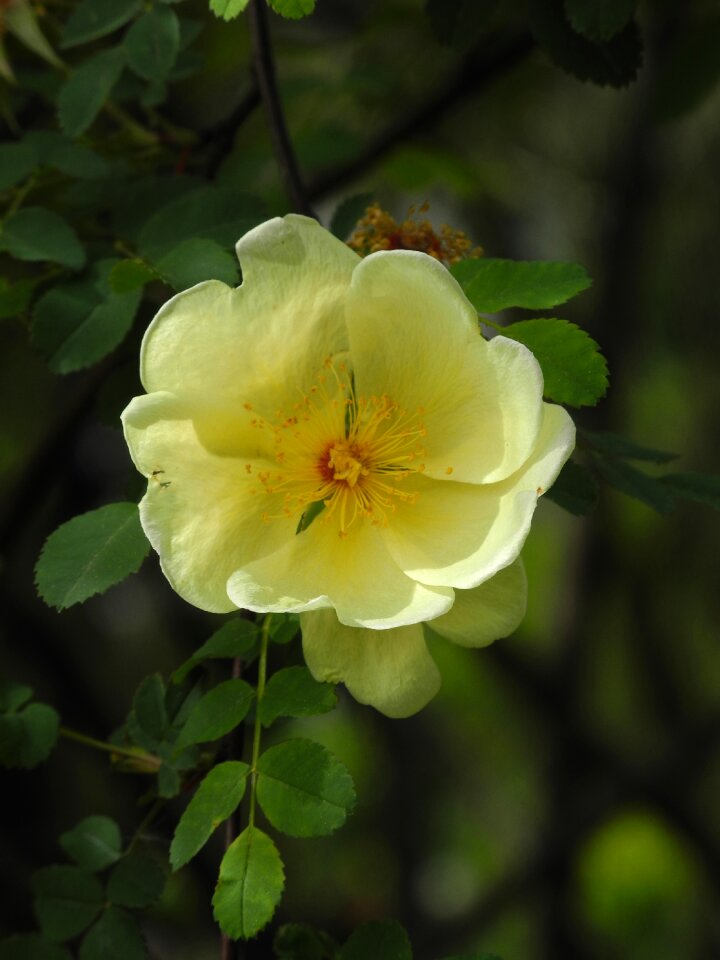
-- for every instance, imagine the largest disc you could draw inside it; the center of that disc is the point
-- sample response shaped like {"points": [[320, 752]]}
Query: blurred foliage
{"points": [[559, 798]]}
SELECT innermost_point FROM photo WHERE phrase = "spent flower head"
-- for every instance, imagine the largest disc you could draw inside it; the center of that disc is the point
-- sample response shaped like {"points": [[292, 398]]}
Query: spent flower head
{"points": [[335, 437]]}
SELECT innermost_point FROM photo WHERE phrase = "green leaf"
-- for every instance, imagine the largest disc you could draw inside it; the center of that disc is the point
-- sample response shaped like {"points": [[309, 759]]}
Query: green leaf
{"points": [[116, 936], [153, 43], [234, 639], [94, 843], [129, 275], [148, 712], [34, 233], [379, 939], [303, 789], [168, 782], [613, 63], [15, 297], [614, 445], [67, 900], [90, 553], [599, 21], [293, 9], [300, 941], [136, 881], [649, 490], [20, 20], [27, 738], [13, 695], [32, 946], [293, 692], [73, 327], [74, 159], [690, 71], [249, 886], [228, 9], [17, 161], [83, 95], [215, 800], [90, 20], [574, 370], [575, 490], [347, 214], [700, 487], [495, 285], [214, 213], [217, 713], [195, 260]]}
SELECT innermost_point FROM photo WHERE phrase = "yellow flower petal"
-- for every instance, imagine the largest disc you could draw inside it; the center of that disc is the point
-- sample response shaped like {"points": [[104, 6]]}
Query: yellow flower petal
{"points": [[354, 574], [486, 613], [461, 534], [415, 336], [271, 335], [199, 512], [391, 670]]}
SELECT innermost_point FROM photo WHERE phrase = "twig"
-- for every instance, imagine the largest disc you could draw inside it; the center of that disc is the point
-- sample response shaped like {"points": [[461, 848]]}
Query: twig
{"points": [[267, 84], [473, 74]]}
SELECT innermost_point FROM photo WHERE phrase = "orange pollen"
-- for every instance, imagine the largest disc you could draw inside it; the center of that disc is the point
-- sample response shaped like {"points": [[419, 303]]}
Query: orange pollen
{"points": [[349, 453]]}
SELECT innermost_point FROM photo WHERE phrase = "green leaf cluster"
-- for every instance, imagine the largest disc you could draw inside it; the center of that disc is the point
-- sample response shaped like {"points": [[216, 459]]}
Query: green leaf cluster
{"points": [[93, 898], [28, 731]]}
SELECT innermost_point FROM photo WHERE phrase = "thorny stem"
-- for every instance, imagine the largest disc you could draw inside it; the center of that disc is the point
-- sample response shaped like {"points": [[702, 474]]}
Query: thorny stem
{"points": [[267, 84]]}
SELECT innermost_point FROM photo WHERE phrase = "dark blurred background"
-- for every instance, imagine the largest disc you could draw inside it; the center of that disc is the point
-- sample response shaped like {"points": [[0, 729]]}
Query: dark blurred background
{"points": [[559, 799]]}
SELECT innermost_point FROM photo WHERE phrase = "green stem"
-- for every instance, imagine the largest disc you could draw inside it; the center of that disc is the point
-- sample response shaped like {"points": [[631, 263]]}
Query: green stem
{"points": [[490, 323], [135, 753], [136, 130], [262, 673], [20, 194]]}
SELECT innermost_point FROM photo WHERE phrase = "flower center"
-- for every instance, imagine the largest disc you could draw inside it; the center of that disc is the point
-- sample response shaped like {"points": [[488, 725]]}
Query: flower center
{"points": [[344, 454]]}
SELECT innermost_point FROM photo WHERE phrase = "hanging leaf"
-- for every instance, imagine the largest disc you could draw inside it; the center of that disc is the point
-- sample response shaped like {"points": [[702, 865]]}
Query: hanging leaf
{"points": [[116, 936], [641, 486], [94, 843], [575, 490], [17, 161], [293, 9], [228, 9], [67, 900], [293, 692], [217, 713], [195, 260], [153, 43], [237, 638], [574, 371], [379, 939], [213, 213], [700, 487], [614, 445], [91, 20], [214, 801], [90, 553], [494, 285], [599, 21], [249, 886], [34, 233], [27, 737], [303, 789], [74, 326], [84, 94], [614, 63]]}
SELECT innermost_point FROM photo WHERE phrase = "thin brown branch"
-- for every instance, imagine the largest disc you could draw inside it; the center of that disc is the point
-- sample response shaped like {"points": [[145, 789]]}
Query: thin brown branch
{"points": [[474, 74], [267, 84]]}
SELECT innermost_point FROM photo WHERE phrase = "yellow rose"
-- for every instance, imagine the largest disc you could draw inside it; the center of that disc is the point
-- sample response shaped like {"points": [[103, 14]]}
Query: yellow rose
{"points": [[335, 437]]}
